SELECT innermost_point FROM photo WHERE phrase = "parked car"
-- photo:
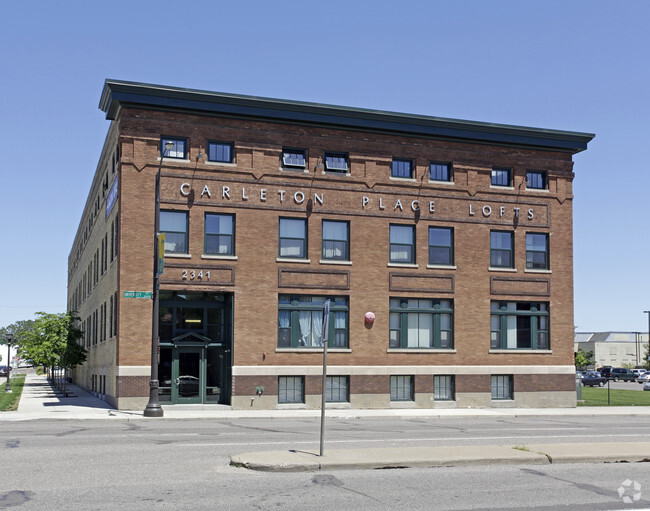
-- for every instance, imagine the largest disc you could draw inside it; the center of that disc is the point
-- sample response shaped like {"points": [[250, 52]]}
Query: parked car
{"points": [[643, 378], [593, 379], [579, 375], [646, 386], [618, 373], [3, 370], [639, 372]]}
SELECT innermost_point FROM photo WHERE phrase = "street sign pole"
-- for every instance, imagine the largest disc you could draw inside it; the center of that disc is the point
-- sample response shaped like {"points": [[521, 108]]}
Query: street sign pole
{"points": [[325, 335]]}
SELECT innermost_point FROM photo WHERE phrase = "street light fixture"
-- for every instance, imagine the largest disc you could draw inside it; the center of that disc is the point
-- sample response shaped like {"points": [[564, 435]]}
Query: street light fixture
{"points": [[153, 408], [9, 336]]}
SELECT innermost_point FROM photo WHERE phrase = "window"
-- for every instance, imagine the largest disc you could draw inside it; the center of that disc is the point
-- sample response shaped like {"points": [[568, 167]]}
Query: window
{"points": [[110, 319], [501, 177], [402, 244], [112, 240], [337, 389], [441, 246], [336, 240], [117, 245], [293, 238], [501, 249], [401, 168], [291, 389], [443, 388], [336, 162], [519, 325], [537, 251], [219, 234], [536, 179], [174, 225], [401, 388], [221, 152], [294, 158], [501, 386], [178, 150], [439, 171], [421, 323], [300, 321], [115, 315]]}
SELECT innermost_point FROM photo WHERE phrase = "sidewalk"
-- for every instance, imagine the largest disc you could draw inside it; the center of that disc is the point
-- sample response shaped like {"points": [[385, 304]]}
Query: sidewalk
{"points": [[41, 401]]}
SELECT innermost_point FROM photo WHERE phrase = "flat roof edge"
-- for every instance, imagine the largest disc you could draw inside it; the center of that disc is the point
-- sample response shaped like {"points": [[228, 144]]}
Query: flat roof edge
{"points": [[118, 93]]}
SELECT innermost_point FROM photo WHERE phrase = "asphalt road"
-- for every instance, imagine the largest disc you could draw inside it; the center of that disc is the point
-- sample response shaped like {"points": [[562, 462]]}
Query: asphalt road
{"points": [[136, 465]]}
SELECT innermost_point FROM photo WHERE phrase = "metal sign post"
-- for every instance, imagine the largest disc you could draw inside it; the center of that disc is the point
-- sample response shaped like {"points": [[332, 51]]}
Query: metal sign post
{"points": [[325, 335]]}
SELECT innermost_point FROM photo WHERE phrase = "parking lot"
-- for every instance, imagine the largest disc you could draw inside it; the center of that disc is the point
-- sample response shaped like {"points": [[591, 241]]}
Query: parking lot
{"points": [[624, 385]]}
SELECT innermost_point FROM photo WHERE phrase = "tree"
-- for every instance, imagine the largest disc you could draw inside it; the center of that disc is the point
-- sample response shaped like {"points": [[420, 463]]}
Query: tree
{"points": [[18, 329], [53, 342], [584, 359]]}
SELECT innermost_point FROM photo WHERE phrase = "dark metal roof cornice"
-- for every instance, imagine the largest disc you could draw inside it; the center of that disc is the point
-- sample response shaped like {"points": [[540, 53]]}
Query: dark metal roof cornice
{"points": [[117, 94]]}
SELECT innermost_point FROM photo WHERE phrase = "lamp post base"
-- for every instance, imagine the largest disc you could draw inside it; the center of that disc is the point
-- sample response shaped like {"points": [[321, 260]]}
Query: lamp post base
{"points": [[153, 411], [153, 408]]}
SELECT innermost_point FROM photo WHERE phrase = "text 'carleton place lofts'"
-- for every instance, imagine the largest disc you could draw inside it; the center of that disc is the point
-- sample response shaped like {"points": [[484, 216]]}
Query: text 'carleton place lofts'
{"points": [[443, 246]]}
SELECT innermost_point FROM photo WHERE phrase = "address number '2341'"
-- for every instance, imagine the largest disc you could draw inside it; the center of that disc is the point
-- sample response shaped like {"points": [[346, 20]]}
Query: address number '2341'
{"points": [[196, 275]]}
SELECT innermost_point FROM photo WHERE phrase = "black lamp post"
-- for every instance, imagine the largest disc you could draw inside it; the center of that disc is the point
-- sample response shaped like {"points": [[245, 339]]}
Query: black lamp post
{"points": [[153, 408], [8, 385]]}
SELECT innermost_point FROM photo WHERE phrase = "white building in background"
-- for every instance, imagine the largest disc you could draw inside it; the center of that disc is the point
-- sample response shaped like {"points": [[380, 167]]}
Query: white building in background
{"points": [[613, 348]]}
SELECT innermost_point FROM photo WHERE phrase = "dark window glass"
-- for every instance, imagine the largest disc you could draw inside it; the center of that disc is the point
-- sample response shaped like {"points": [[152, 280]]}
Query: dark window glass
{"points": [[174, 225], [443, 388], [402, 244], [337, 389], [336, 162], [441, 245], [501, 177], [300, 321], [502, 386], [421, 323], [536, 179], [291, 389], [401, 388], [519, 325], [537, 251], [219, 234], [501, 249], [177, 150], [293, 238], [221, 152], [439, 172], [401, 168], [336, 240]]}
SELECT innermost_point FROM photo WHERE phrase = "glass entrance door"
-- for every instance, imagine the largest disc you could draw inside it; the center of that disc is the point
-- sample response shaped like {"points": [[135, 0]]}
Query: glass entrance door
{"points": [[188, 379]]}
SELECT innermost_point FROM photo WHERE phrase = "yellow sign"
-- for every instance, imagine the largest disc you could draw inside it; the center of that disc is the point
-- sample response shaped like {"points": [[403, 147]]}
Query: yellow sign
{"points": [[161, 252]]}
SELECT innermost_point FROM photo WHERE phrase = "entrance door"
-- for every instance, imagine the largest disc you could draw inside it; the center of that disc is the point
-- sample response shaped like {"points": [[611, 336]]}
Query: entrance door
{"points": [[188, 379]]}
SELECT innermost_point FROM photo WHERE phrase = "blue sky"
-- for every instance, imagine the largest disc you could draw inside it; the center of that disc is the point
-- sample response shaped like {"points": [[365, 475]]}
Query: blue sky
{"points": [[568, 65]]}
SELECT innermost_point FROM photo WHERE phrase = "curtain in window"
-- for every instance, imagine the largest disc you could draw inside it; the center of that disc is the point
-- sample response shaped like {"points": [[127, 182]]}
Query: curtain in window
{"points": [[304, 320], [317, 327], [292, 234]]}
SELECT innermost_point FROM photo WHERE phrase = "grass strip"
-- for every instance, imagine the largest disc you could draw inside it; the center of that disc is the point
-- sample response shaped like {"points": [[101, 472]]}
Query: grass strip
{"points": [[597, 396], [9, 401]]}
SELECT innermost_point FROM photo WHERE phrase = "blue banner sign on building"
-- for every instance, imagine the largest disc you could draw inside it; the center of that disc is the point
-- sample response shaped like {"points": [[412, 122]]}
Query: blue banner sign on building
{"points": [[112, 197]]}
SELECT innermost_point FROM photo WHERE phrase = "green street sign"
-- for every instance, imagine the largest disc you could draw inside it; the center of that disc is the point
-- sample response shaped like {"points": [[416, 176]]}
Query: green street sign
{"points": [[137, 294]]}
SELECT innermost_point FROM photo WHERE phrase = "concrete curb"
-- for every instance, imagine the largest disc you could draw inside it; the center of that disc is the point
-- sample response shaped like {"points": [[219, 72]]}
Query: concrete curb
{"points": [[442, 456]]}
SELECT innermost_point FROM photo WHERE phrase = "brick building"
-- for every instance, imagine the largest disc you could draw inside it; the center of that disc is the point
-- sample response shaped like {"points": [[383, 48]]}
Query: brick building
{"points": [[443, 246]]}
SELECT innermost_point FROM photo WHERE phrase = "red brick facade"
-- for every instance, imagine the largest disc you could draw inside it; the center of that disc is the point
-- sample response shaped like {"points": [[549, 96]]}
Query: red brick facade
{"points": [[258, 190]]}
